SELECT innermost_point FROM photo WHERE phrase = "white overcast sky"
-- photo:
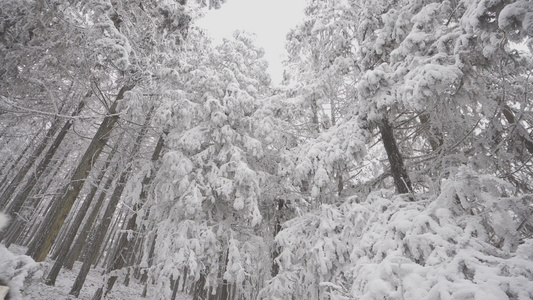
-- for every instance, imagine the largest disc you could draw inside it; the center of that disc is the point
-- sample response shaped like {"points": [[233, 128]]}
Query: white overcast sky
{"points": [[270, 20]]}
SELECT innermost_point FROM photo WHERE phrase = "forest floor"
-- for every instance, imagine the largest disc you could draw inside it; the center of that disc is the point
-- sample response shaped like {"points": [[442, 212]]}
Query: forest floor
{"points": [[28, 278]]}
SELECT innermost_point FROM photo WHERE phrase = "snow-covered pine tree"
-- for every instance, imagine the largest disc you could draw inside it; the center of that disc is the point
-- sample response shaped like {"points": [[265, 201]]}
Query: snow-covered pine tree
{"points": [[448, 80], [205, 208], [121, 51]]}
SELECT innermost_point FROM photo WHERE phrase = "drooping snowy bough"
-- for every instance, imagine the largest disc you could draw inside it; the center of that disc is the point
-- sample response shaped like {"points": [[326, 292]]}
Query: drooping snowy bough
{"points": [[460, 244]]}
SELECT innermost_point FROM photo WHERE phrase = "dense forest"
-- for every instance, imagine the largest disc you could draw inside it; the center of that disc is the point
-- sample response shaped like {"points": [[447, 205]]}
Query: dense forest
{"points": [[393, 162]]}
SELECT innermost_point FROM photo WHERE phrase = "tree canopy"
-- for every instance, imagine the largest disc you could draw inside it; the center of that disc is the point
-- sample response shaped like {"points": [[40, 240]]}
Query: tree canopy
{"points": [[394, 162]]}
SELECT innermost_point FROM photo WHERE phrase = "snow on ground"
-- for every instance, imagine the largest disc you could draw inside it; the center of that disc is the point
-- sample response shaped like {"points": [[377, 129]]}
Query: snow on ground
{"points": [[27, 280]]}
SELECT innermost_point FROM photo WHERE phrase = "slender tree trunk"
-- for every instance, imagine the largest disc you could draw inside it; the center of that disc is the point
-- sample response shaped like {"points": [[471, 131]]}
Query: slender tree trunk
{"points": [[67, 242], [52, 208], [98, 294], [333, 116], [19, 177], [43, 207], [61, 237], [82, 237], [39, 206], [144, 277], [134, 259], [175, 287], [399, 173], [277, 228], [97, 240], [98, 236], [198, 290], [31, 227], [6, 162], [7, 173], [109, 240], [124, 245], [48, 234], [333, 113], [17, 227], [20, 198]]}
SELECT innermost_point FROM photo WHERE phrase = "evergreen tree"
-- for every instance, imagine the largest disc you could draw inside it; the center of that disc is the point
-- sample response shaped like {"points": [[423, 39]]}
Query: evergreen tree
{"points": [[431, 77], [206, 204]]}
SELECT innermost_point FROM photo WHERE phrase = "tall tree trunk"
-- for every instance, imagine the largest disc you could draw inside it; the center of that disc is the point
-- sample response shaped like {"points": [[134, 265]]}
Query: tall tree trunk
{"points": [[43, 206], [7, 174], [399, 173], [71, 234], [110, 238], [17, 180], [144, 276], [48, 234], [77, 247], [277, 228], [124, 245], [98, 235], [175, 288], [53, 206], [16, 227], [20, 198], [97, 240], [134, 259], [198, 291]]}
